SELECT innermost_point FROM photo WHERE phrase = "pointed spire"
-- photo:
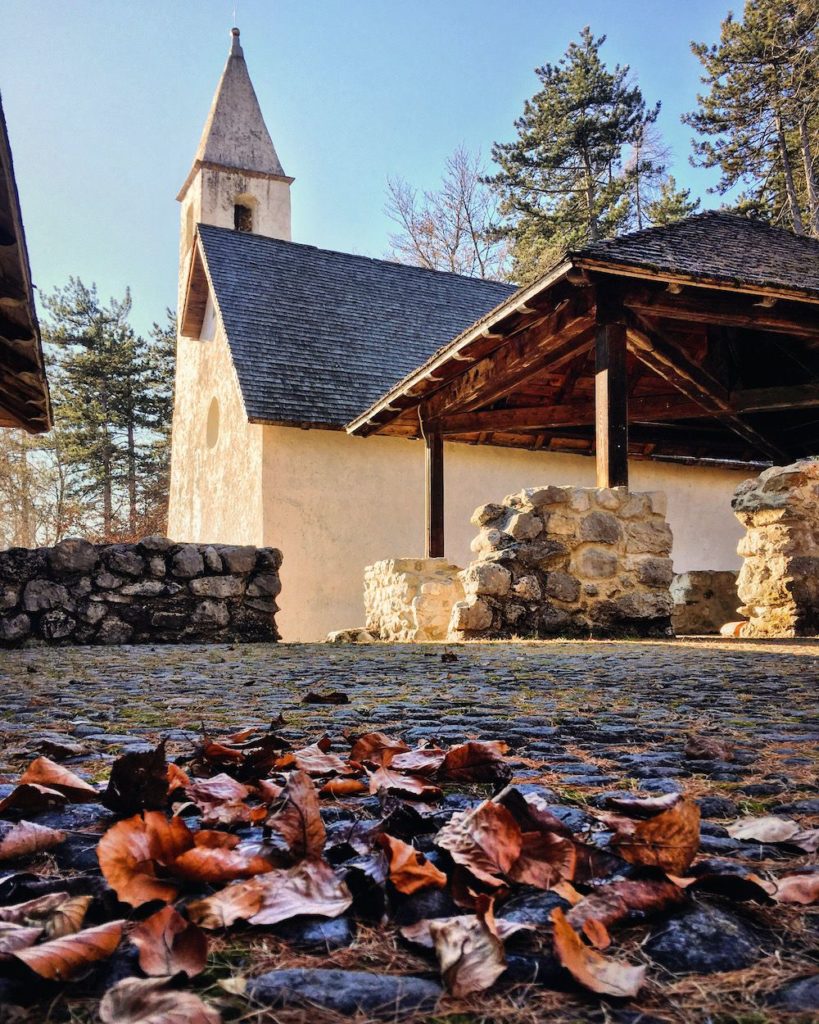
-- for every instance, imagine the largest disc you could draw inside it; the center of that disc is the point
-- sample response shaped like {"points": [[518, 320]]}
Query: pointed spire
{"points": [[235, 134]]}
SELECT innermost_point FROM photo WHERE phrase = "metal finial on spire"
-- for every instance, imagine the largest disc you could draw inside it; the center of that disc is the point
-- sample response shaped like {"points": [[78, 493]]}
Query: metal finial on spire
{"points": [[235, 46]]}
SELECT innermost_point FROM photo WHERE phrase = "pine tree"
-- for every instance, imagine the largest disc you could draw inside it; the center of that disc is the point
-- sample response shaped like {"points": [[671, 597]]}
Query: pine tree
{"points": [[759, 119], [670, 204], [562, 182]]}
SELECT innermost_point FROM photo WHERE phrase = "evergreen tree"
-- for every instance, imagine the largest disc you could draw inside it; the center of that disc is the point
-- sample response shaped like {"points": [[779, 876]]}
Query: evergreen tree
{"points": [[759, 119], [669, 204], [563, 182]]}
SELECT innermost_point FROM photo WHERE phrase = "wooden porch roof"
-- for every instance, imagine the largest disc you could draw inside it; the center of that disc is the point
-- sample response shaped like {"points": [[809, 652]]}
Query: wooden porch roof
{"points": [[721, 333], [24, 397]]}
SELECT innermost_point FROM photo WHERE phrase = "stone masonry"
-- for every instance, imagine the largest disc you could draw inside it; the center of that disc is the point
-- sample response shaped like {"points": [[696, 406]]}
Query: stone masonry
{"points": [[569, 561], [779, 579], [704, 600], [410, 599], [154, 591]]}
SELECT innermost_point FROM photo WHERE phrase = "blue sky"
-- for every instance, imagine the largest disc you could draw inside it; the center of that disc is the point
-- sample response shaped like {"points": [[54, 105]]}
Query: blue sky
{"points": [[105, 102]]}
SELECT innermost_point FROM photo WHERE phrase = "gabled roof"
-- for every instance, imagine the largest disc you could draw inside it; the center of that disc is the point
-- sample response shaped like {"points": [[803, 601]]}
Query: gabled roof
{"points": [[24, 398], [235, 135], [316, 336], [720, 247]]}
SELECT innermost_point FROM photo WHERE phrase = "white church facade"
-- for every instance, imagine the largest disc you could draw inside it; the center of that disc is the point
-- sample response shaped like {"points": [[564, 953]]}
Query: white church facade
{"points": [[282, 345]]}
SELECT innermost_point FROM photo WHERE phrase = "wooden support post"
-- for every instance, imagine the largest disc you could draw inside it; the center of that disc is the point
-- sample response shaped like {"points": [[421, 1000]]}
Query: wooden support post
{"points": [[434, 440], [611, 397]]}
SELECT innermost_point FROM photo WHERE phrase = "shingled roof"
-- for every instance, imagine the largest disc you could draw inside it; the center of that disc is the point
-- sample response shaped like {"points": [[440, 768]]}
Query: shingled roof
{"points": [[721, 247], [316, 336]]}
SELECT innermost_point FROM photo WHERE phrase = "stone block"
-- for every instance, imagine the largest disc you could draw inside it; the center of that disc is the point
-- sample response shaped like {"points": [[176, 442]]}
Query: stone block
{"points": [[524, 526], [114, 631], [486, 578], [42, 595], [473, 615], [653, 571], [704, 600], [357, 635], [264, 584], [268, 559], [155, 544], [596, 563], [212, 559], [57, 624], [19, 565], [649, 537], [610, 498], [528, 588], [108, 581], [123, 559], [542, 497], [187, 562], [600, 528], [562, 587], [146, 588], [14, 628], [486, 514], [9, 596], [238, 558], [221, 586], [72, 555], [210, 614]]}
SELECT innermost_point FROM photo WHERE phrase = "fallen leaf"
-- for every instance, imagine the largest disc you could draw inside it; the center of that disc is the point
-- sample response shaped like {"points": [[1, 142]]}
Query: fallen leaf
{"points": [[221, 800], [544, 860], [130, 852], [167, 944], [31, 798], [336, 697], [806, 839], [409, 868], [343, 787], [476, 761], [668, 837], [423, 761], [618, 901], [14, 937], [216, 865], [150, 1001], [597, 933], [593, 970], [706, 748], [59, 959], [299, 820], [419, 933], [311, 887], [315, 760], [68, 917], [25, 839], [802, 889], [37, 909], [469, 950], [218, 754], [237, 902], [767, 829], [642, 806], [386, 780], [487, 841], [138, 782], [377, 748], [44, 772], [177, 778]]}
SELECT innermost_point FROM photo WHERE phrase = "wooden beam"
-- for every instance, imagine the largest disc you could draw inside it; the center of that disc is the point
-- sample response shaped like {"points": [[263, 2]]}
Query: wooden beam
{"points": [[610, 398], [799, 396], [553, 344], [720, 309], [669, 362], [434, 534]]}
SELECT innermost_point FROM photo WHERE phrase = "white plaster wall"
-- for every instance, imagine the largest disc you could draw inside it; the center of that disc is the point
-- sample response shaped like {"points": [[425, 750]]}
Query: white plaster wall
{"points": [[215, 492], [335, 504]]}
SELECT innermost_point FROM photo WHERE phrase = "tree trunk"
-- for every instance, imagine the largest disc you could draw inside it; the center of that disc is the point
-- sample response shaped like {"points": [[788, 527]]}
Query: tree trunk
{"points": [[592, 216], [787, 171], [132, 500], [810, 178]]}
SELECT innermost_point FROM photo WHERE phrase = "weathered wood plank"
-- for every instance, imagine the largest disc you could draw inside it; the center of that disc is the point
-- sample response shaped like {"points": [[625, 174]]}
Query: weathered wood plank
{"points": [[611, 403], [799, 396], [434, 532]]}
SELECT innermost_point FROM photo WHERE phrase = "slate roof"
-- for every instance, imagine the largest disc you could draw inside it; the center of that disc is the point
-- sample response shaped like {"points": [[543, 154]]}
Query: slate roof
{"points": [[316, 336], [722, 246]]}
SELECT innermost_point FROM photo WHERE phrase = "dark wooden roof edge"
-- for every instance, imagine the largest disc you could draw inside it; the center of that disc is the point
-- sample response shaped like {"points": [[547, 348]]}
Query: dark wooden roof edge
{"points": [[16, 258], [364, 424]]}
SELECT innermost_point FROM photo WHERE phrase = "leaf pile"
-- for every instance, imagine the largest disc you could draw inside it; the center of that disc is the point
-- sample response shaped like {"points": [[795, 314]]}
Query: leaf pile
{"points": [[237, 838]]}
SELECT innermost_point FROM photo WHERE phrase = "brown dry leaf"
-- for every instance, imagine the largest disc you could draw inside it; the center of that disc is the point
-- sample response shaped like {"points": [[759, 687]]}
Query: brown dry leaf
{"points": [[806, 839], [221, 800], [299, 820], [469, 950], [706, 748], [409, 868], [377, 748], [131, 850], [237, 902], [767, 829], [32, 798], [487, 841], [344, 787], [802, 889], [668, 839], [60, 958], [423, 761], [150, 1001], [545, 859], [568, 892], [476, 761], [316, 760], [34, 910], [167, 944], [68, 917], [597, 972], [419, 933], [385, 780], [311, 887], [43, 772], [216, 864], [218, 754], [14, 937], [25, 839], [616, 901], [597, 933], [138, 782], [177, 778]]}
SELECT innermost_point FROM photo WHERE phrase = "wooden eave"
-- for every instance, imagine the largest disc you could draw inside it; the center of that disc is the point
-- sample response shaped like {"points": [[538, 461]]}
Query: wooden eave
{"points": [[24, 395]]}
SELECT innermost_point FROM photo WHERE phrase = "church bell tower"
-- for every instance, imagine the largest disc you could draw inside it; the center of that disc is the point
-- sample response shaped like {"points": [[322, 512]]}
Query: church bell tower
{"points": [[236, 180]]}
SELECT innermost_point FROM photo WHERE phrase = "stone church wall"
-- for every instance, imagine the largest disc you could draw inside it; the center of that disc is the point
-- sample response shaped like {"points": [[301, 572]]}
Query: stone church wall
{"points": [[779, 580], [155, 591], [568, 561]]}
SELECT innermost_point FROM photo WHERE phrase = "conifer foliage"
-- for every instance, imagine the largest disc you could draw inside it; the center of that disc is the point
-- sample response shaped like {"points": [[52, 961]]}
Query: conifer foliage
{"points": [[758, 120]]}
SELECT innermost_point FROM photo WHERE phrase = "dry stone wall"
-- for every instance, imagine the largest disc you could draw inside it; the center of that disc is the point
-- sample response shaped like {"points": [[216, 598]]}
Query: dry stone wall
{"points": [[704, 600], [779, 580], [410, 599], [154, 591], [569, 561]]}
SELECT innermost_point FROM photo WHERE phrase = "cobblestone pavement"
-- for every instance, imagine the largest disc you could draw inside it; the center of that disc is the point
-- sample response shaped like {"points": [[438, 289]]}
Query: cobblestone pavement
{"points": [[582, 714]]}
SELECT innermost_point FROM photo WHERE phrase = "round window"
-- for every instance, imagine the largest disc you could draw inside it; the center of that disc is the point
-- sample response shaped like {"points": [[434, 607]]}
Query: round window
{"points": [[212, 430]]}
